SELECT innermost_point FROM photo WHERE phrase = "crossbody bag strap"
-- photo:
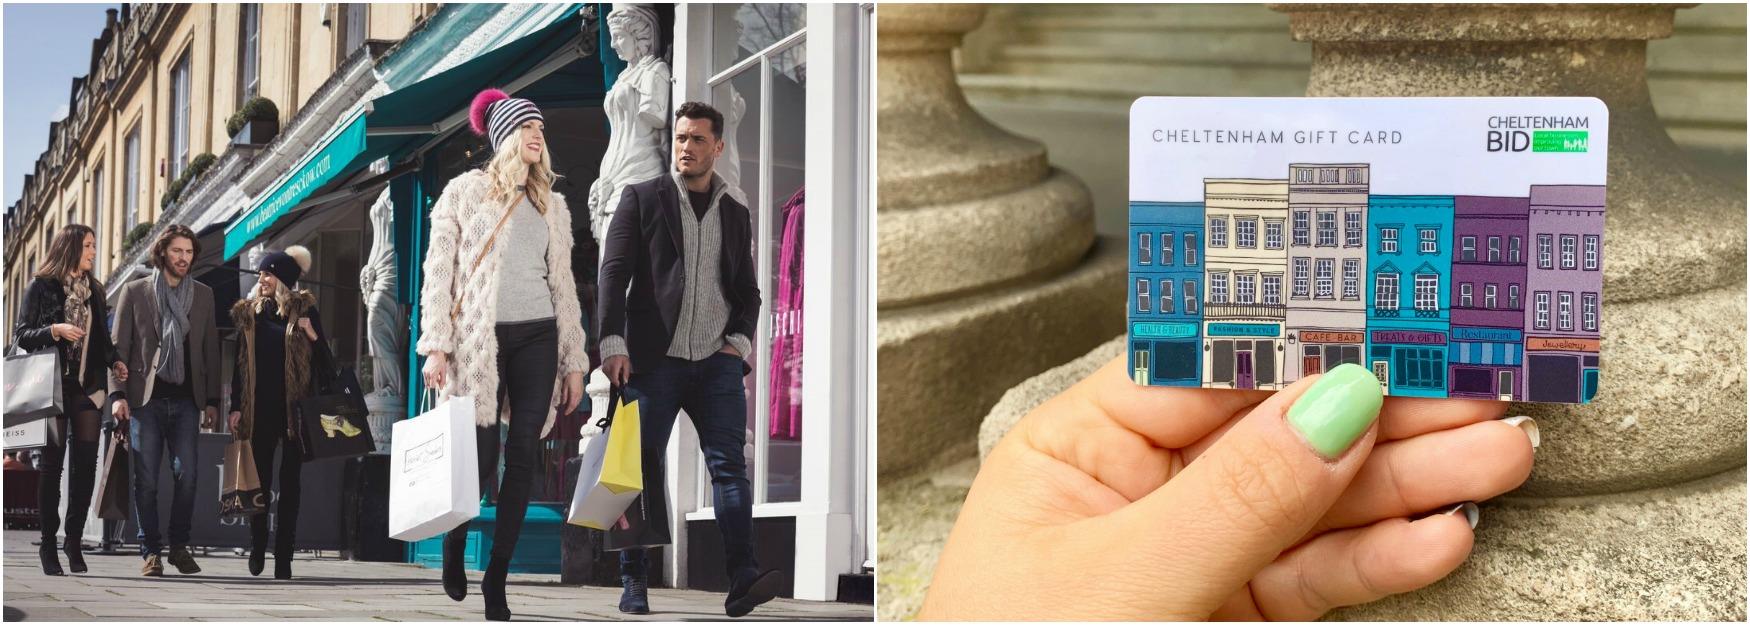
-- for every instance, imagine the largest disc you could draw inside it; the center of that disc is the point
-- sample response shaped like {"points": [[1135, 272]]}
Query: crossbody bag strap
{"points": [[456, 308]]}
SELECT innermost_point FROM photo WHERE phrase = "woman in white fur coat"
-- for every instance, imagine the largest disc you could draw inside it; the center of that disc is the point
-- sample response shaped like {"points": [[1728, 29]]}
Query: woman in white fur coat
{"points": [[500, 318]]}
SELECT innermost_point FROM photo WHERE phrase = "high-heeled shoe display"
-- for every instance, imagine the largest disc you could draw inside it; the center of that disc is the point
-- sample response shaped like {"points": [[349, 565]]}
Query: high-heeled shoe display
{"points": [[333, 423]]}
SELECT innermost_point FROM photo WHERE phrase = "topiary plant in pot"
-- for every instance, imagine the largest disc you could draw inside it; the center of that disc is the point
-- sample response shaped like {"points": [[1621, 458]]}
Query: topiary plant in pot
{"points": [[255, 123]]}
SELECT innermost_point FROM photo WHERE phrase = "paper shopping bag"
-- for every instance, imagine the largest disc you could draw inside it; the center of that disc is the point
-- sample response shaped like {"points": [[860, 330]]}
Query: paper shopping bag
{"points": [[613, 470], [240, 491], [434, 481], [113, 501], [33, 386]]}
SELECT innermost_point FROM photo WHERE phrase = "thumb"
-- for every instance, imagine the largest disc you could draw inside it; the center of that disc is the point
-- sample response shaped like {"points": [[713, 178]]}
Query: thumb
{"points": [[1252, 494]]}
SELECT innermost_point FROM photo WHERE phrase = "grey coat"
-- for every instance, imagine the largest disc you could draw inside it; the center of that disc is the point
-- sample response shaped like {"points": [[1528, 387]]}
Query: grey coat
{"points": [[136, 343]]}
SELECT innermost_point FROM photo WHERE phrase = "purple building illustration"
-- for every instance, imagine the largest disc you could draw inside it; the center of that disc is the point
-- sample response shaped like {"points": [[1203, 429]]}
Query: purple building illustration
{"points": [[1488, 297], [1564, 284]]}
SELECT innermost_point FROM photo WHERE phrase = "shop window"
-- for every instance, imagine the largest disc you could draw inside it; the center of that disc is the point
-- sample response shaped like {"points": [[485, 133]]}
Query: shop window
{"points": [[1385, 292], [1351, 279], [1323, 278], [1471, 380], [1177, 360], [1327, 229], [758, 63], [1264, 359], [1302, 277], [1222, 361], [1419, 367]]}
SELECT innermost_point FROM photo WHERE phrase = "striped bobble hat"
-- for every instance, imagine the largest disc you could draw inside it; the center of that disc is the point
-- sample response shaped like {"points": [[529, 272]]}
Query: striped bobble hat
{"points": [[496, 115]]}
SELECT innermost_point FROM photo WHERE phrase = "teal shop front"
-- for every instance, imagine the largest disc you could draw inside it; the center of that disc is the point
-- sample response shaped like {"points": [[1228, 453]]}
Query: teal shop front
{"points": [[424, 123]]}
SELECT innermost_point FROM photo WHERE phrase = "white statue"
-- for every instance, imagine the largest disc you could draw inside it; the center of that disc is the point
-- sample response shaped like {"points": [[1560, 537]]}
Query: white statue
{"points": [[384, 326], [637, 110], [729, 167], [383, 319]]}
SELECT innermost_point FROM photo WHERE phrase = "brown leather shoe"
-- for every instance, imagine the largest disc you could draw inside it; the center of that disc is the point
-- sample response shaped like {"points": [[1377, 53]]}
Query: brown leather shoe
{"points": [[153, 567], [183, 560]]}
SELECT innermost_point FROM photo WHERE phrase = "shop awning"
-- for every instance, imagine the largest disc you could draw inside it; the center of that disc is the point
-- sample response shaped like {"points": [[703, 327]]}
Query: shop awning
{"points": [[401, 121]]}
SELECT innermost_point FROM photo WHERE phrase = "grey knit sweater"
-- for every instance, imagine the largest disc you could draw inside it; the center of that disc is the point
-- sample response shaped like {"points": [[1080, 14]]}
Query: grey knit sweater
{"points": [[704, 311], [523, 294]]}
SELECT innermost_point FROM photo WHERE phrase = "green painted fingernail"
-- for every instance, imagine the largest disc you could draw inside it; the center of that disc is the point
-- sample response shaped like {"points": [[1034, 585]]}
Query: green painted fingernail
{"points": [[1337, 409]]}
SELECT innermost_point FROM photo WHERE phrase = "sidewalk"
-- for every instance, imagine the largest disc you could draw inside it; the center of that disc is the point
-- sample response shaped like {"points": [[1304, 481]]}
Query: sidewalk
{"points": [[330, 589]]}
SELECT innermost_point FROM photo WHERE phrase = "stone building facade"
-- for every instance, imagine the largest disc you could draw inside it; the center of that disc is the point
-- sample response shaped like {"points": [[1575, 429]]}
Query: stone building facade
{"points": [[163, 79]]}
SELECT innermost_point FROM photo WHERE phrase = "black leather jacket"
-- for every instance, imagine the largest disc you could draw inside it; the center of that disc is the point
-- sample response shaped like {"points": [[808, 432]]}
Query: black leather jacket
{"points": [[45, 305]]}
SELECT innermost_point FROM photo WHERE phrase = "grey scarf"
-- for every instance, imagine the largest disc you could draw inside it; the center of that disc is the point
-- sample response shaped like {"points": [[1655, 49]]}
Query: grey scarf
{"points": [[173, 306]]}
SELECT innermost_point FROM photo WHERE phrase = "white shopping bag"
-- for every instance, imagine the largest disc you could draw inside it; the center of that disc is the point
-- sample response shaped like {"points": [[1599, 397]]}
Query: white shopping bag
{"points": [[434, 482]]}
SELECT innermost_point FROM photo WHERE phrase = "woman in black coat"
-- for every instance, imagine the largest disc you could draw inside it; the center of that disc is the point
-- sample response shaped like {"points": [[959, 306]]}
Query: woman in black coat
{"points": [[64, 308], [279, 354]]}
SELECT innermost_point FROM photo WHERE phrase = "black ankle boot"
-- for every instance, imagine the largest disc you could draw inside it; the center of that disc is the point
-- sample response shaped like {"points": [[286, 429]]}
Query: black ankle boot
{"points": [[282, 566], [74, 548], [455, 576], [51, 562], [634, 594], [257, 559], [492, 589]]}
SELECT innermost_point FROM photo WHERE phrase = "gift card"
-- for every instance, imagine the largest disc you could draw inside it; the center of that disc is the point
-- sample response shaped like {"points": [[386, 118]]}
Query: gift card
{"points": [[1452, 246]]}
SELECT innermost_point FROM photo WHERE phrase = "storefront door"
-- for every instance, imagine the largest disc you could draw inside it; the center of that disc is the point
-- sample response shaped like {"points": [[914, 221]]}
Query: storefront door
{"points": [[1504, 385], [1311, 363], [1382, 370], [1141, 372], [1243, 370]]}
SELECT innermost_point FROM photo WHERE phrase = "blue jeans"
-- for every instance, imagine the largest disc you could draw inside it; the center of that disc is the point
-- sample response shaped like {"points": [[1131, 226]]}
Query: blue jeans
{"points": [[711, 392], [160, 423]]}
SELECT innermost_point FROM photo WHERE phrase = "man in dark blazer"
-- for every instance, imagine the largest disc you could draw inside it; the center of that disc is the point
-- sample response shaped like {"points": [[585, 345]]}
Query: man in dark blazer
{"points": [[177, 393], [678, 306]]}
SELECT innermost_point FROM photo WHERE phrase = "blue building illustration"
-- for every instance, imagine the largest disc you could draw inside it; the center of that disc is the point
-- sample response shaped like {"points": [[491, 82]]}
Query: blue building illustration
{"points": [[1409, 274], [1166, 279]]}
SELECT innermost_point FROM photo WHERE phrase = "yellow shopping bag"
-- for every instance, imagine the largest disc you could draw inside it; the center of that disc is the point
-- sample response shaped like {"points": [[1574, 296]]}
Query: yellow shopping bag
{"points": [[612, 474], [623, 469]]}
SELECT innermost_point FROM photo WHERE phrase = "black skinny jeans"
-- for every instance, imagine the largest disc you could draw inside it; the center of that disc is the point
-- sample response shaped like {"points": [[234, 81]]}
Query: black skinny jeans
{"points": [[78, 423], [528, 362], [270, 435]]}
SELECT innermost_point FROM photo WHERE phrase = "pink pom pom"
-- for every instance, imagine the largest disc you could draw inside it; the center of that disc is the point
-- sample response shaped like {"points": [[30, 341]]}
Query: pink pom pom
{"points": [[477, 112]]}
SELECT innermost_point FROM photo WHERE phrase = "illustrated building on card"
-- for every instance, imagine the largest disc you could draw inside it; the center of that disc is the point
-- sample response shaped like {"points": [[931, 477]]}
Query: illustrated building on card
{"points": [[1488, 301], [1409, 265], [1327, 319], [1166, 278], [1565, 280], [1245, 308]]}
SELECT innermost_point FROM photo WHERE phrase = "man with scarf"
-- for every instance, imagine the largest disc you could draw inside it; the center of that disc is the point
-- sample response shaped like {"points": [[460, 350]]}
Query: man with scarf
{"points": [[165, 327]]}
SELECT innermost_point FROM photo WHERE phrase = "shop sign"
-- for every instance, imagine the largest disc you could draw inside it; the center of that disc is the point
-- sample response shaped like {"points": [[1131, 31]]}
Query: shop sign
{"points": [[1163, 330], [1313, 336], [1493, 335], [1244, 329], [1408, 337], [1562, 344]]}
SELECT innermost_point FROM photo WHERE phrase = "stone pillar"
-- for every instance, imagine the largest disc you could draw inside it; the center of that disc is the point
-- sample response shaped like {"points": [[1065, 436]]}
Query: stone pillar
{"points": [[1636, 501], [989, 271]]}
